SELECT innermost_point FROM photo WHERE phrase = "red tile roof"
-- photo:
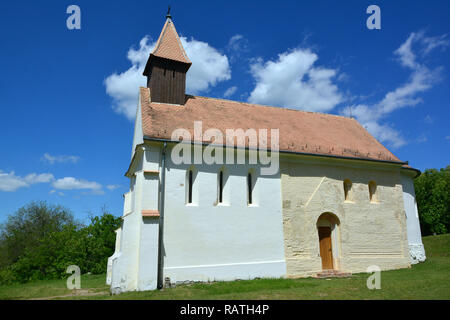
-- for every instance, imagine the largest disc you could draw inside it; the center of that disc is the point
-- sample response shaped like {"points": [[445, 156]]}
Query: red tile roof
{"points": [[169, 44], [299, 131]]}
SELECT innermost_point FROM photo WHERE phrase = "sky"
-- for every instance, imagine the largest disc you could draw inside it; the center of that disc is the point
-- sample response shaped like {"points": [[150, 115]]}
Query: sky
{"points": [[68, 97]]}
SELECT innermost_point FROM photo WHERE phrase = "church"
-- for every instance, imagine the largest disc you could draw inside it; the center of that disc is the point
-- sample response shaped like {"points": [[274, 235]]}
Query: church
{"points": [[222, 190]]}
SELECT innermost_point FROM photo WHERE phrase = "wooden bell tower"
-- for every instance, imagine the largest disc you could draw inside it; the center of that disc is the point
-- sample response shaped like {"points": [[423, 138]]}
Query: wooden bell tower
{"points": [[167, 66]]}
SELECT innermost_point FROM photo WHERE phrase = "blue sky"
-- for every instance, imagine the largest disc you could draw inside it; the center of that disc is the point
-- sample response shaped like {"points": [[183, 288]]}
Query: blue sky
{"points": [[67, 96]]}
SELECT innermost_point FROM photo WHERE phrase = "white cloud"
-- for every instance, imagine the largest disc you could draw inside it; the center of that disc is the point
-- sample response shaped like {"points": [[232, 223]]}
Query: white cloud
{"points": [[10, 182], [97, 192], [112, 186], [71, 183], [293, 81], [52, 159], [230, 91], [432, 43], [208, 68], [421, 79], [384, 133]]}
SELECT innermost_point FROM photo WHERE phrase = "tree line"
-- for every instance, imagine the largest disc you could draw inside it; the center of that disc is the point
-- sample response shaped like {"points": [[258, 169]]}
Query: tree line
{"points": [[39, 241]]}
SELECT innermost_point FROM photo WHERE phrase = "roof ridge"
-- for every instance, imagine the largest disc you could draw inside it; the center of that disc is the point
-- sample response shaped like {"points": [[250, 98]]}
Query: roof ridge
{"points": [[268, 106]]}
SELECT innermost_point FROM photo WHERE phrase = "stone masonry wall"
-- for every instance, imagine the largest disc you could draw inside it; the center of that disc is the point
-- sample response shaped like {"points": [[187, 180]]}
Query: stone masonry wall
{"points": [[368, 233]]}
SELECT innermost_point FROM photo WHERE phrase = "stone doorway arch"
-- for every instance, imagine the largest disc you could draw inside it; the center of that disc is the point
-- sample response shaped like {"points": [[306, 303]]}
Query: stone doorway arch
{"points": [[328, 231]]}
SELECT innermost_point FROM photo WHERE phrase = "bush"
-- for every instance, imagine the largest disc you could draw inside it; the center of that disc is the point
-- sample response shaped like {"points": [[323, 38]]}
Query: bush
{"points": [[7, 276], [433, 200], [40, 241]]}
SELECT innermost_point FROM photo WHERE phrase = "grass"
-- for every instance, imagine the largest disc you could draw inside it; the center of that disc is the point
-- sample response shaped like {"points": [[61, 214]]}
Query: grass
{"points": [[427, 280]]}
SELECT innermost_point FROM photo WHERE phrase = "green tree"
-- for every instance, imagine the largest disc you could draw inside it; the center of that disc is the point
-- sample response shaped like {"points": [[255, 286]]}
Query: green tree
{"points": [[23, 230], [54, 253], [100, 241], [40, 241], [433, 200]]}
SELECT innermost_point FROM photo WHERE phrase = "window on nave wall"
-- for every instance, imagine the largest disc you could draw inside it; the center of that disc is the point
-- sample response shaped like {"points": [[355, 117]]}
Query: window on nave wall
{"points": [[191, 194], [373, 191], [223, 192], [190, 181], [220, 186], [250, 188], [348, 193]]}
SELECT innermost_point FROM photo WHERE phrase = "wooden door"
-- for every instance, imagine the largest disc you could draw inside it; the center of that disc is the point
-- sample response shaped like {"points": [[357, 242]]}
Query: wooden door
{"points": [[326, 252]]}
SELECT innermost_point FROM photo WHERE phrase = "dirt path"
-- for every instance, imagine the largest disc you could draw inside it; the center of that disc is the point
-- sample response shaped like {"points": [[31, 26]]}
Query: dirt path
{"points": [[75, 293]]}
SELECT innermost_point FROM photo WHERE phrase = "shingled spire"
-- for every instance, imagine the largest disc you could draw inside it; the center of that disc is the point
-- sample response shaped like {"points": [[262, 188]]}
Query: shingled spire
{"points": [[167, 66]]}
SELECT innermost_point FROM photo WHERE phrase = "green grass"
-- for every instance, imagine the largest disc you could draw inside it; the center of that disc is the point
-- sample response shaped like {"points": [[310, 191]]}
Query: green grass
{"points": [[428, 280], [51, 288]]}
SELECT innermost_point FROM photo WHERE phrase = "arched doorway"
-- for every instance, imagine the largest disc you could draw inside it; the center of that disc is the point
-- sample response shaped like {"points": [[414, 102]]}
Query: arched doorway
{"points": [[327, 226]]}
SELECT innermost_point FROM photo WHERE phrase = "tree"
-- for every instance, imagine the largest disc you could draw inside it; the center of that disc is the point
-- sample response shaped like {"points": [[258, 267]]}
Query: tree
{"points": [[100, 241], [40, 241], [23, 230], [433, 200], [52, 255]]}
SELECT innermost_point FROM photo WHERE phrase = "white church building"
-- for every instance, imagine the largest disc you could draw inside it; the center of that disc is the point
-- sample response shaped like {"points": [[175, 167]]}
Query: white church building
{"points": [[254, 191]]}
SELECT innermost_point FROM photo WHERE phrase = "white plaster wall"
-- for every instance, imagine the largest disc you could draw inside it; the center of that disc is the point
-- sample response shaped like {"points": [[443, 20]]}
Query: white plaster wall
{"points": [[416, 249], [148, 255], [149, 236], [207, 241], [135, 266], [125, 267], [114, 257], [138, 136]]}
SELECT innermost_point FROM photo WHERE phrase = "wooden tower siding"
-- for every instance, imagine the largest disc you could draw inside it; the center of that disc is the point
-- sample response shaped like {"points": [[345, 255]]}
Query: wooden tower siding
{"points": [[167, 81]]}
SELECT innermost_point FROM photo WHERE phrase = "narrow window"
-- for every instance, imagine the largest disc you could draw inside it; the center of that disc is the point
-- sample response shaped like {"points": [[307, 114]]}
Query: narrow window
{"points": [[190, 187], [373, 191], [347, 189], [249, 187], [221, 186]]}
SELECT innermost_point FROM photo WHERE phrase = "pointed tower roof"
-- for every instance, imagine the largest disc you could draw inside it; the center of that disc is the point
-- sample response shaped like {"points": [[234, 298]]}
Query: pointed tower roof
{"points": [[169, 44]]}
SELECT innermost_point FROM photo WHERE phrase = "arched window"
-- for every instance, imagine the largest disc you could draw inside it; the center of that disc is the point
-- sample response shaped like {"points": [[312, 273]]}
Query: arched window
{"points": [[220, 186], [348, 190], [250, 188], [373, 191]]}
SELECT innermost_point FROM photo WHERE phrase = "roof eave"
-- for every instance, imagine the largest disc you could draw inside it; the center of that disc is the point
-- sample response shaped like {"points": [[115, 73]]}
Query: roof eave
{"points": [[417, 171], [148, 138], [152, 56]]}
